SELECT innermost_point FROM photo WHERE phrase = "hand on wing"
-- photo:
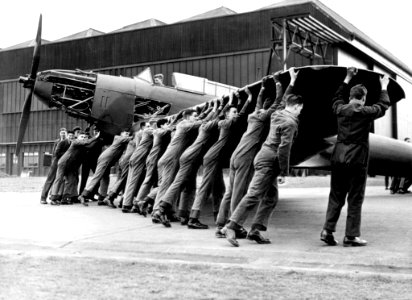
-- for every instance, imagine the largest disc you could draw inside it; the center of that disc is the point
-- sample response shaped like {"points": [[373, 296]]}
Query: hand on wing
{"points": [[384, 82]]}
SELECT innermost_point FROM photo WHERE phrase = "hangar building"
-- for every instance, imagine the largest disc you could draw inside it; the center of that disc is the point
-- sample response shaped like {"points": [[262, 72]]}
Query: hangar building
{"points": [[222, 46]]}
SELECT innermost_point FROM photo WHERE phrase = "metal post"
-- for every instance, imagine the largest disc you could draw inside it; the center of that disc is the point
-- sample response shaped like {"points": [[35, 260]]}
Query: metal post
{"points": [[285, 52]]}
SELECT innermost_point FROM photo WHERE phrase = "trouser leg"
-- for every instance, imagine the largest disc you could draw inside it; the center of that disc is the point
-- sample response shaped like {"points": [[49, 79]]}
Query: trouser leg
{"points": [[395, 184], [266, 208], [339, 188], [170, 169], [58, 185], [121, 180], [92, 184], [135, 170], [224, 208], [187, 196], [262, 180], [356, 194], [209, 176], [104, 184], [148, 182], [242, 178], [49, 180]]}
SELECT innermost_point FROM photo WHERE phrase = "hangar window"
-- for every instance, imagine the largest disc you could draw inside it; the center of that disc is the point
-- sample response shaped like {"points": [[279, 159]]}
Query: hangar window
{"points": [[2, 160], [31, 160]]}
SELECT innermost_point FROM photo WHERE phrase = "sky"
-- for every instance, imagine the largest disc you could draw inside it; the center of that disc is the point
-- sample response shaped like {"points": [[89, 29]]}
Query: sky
{"points": [[387, 22]]}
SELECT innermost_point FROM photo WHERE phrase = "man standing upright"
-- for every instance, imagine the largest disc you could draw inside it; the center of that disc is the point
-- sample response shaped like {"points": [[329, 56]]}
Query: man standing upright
{"points": [[350, 157]]}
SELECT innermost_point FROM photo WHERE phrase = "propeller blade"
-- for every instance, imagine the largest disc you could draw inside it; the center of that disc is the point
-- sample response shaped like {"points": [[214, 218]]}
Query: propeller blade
{"points": [[24, 120], [36, 51]]}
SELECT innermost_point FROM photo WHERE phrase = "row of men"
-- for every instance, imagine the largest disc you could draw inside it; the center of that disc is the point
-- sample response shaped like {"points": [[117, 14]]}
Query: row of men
{"points": [[158, 164]]}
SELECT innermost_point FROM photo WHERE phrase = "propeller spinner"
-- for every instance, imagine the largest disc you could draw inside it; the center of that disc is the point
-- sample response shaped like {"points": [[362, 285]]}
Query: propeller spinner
{"points": [[28, 82]]}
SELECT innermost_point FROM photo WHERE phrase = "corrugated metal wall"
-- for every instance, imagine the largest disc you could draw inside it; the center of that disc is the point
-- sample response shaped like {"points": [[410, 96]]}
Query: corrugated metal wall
{"points": [[231, 49]]}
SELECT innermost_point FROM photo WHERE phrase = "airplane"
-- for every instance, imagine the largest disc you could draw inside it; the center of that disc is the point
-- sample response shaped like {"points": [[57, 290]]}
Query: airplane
{"points": [[113, 103]]}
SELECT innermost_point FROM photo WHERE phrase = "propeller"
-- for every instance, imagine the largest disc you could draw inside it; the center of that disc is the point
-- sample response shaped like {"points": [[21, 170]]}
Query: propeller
{"points": [[28, 82]]}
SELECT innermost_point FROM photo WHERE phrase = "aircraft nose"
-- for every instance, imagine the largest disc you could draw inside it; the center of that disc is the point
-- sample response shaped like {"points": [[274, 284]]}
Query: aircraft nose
{"points": [[43, 91]]}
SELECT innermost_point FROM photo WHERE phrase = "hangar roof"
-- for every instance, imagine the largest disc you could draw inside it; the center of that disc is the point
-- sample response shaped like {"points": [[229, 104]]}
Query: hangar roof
{"points": [[86, 33], [140, 25], [218, 12], [344, 30]]}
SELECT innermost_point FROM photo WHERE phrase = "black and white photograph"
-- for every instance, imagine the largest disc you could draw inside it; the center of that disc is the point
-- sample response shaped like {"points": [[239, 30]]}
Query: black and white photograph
{"points": [[205, 150]]}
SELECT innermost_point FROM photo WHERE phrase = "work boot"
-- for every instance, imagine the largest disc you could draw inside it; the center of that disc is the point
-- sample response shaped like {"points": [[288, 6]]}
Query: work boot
{"points": [[135, 209], [162, 217], [241, 233], [126, 209], [109, 202], [353, 242], [254, 235], [327, 237], [196, 224]]}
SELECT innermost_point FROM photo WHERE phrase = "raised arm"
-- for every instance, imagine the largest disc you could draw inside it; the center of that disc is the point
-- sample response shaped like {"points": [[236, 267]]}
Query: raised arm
{"points": [[342, 94], [378, 109], [259, 102], [247, 102], [293, 76], [279, 102]]}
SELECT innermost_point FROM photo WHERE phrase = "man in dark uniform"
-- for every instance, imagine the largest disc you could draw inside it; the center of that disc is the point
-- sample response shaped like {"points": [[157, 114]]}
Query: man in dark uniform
{"points": [[189, 164], [350, 157], [67, 177], [183, 137], [161, 139], [241, 163], [212, 181], [271, 161], [105, 161], [59, 147], [89, 162]]}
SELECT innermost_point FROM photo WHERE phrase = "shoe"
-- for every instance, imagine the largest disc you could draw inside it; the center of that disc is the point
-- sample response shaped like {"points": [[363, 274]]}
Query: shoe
{"points": [[109, 203], [120, 203], [328, 238], [126, 209], [43, 201], [64, 202], [135, 209], [195, 224], [163, 218], [230, 235], [101, 203], [83, 201], [174, 218], [142, 208], [219, 234], [54, 202], [156, 219], [254, 235], [241, 233], [75, 200], [149, 208], [184, 221], [354, 242], [392, 192]]}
